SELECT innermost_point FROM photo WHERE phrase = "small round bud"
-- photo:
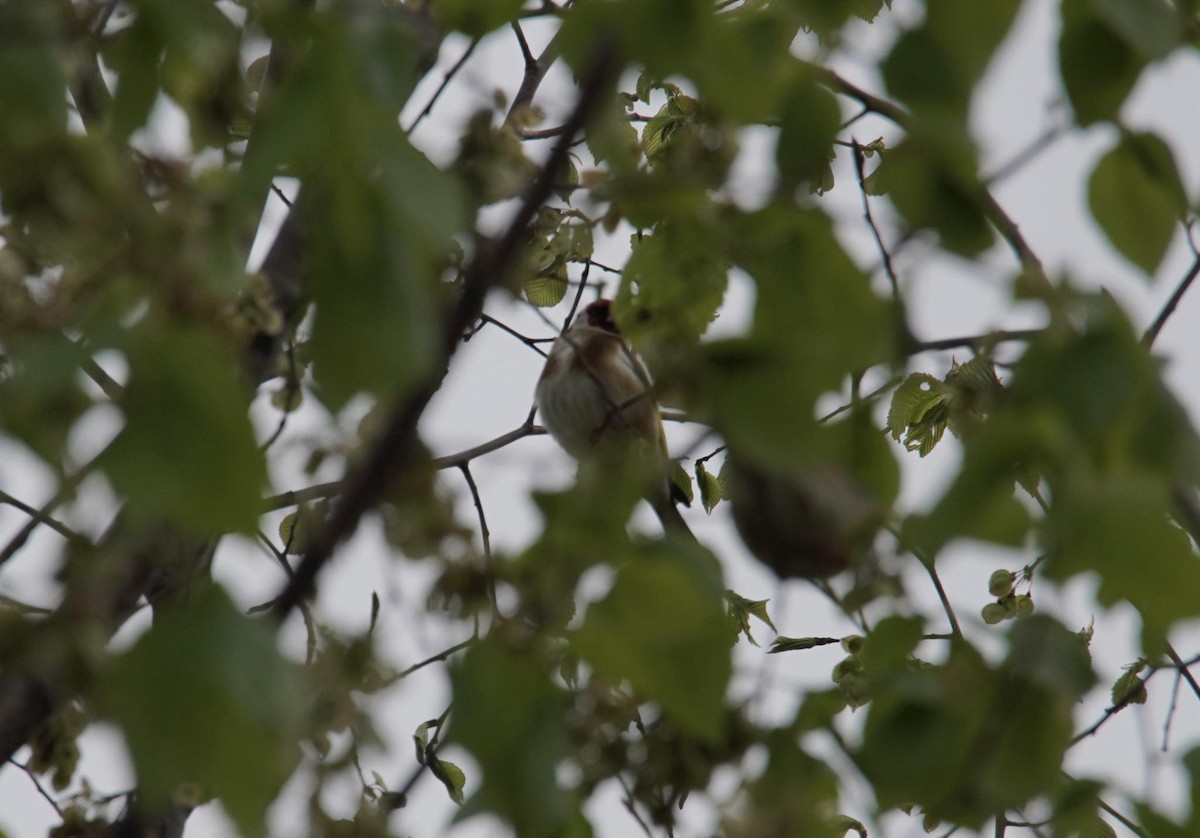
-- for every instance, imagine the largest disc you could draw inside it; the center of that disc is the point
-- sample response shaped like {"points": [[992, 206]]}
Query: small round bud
{"points": [[1024, 605], [993, 613], [852, 643], [1001, 583]]}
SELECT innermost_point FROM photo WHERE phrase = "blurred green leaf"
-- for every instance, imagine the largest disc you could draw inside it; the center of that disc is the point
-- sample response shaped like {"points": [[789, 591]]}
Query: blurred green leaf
{"points": [[936, 66], [1119, 527], [796, 794], [33, 83], [662, 628], [187, 450], [1153, 27], [40, 396], [933, 182], [476, 17], [1099, 68], [809, 121], [962, 739], [509, 715], [1136, 196], [672, 286], [205, 697], [815, 321]]}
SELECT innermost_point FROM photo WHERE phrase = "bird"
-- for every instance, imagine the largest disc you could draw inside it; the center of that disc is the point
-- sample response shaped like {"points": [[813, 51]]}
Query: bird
{"points": [[810, 523], [594, 397]]}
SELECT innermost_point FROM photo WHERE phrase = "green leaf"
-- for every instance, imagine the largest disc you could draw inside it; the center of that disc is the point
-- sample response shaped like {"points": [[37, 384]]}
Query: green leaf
{"points": [[963, 740], [1099, 68], [1119, 527], [659, 34], [373, 271], [187, 450], [1152, 27], [1136, 196], [937, 66], [815, 321], [662, 628], [919, 407], [742, 609], [809, 119], [796, 794], [476, 17], [799, 644], [32, 80], [933, 182], [547, 288], [1130, 688], [671, 289], [509, 715], [711, 490], [205, 697], [450, 776]]}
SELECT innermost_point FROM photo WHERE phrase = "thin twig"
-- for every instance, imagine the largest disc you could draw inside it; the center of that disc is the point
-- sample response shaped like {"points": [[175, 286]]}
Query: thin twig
{"points": [[39, 517], [874, 394], [1183, 669], [447, 77], [975, 341], [532, 343], [68, 487], [1172, 303], [1166, 737], [322, 491], [860, 166], [927, 563], [1027, 154], [485, 534], [37, 785]]}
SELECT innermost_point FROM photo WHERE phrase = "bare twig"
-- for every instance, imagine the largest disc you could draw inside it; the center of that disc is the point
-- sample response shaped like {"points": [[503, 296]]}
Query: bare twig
{"points": [[532, 343], [1172, 303], [333, 488], [975, 341], [927, 563], [40, 517], [889, 269], [1166, 735], [447, 77], [484, 533]]}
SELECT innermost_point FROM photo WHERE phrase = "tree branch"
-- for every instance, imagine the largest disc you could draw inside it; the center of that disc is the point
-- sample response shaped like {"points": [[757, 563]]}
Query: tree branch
{"points": [[535, 71]]}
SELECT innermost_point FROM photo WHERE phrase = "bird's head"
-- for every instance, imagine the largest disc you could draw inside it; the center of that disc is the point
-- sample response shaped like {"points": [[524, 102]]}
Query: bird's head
{"points": [[598, 315]]}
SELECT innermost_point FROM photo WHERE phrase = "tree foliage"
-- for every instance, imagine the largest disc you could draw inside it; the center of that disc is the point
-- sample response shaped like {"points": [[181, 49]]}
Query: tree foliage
{"points": [[150, 371]]}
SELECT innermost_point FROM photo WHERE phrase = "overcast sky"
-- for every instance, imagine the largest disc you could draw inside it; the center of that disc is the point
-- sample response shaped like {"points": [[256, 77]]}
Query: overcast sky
{"points": [[489, 392]]}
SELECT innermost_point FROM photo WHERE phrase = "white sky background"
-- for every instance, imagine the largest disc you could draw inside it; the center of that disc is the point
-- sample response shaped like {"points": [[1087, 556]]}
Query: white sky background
{"points": [[489, 392]]}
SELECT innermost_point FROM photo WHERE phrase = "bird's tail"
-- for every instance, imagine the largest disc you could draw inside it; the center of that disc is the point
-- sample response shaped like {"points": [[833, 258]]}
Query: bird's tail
{"points": [[671, 518]]}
